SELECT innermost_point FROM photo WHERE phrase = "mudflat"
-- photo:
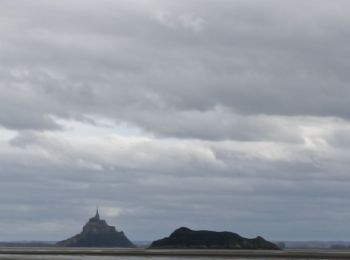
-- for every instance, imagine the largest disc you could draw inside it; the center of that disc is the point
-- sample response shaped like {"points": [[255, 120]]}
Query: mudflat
{"points": [[289, 254]]}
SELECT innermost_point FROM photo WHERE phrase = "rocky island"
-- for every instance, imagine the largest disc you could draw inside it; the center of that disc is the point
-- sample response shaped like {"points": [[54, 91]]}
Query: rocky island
{"points": [[185, 238], [97, 233]]}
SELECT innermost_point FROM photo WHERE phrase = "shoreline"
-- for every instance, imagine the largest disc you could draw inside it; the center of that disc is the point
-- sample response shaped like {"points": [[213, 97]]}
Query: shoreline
{"points": [[292, 254]]}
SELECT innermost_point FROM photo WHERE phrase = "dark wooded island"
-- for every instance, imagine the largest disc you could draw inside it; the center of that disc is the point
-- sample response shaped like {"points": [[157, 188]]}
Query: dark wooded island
{"points": [[185, 238]]}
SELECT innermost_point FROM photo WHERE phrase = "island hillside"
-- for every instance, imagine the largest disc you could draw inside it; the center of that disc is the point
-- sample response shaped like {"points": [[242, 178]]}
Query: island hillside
{"points": [[97, 233], [185, 238]]}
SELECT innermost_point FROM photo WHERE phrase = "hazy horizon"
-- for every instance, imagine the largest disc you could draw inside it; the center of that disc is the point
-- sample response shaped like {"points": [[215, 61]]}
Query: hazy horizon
{"points": [[210, 114]]}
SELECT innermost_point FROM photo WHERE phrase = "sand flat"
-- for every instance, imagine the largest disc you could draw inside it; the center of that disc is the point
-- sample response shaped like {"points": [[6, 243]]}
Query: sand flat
{"points": [[57, 252]]}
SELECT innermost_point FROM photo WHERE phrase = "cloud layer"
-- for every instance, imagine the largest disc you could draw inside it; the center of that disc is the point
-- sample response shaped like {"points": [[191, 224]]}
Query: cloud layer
{"points": [[224, 114]]}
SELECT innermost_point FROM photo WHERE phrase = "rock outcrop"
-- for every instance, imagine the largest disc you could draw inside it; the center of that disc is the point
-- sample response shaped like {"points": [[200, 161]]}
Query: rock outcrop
{"points": [[185, 238], [97, 233]]}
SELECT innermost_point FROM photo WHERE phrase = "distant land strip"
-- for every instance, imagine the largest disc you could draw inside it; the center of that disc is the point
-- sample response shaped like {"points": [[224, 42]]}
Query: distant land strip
{"points": [[309, 254]]}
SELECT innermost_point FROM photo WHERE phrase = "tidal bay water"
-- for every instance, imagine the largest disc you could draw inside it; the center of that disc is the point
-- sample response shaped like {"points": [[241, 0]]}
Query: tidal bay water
{"points": [[67, 257]]}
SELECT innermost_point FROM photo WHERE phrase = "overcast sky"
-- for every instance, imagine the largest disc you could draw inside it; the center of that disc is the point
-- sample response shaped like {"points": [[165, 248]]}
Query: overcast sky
{"points": [[212, 114]]}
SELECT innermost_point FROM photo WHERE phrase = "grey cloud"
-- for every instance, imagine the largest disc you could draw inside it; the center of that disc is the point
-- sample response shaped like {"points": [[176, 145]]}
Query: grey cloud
{"points": [[25, 121], [165, 184], [115, 60], [240, 103]]}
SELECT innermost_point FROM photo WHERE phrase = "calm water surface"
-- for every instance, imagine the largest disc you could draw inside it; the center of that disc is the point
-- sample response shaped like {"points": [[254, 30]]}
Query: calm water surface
{"points": [[21, 257]]}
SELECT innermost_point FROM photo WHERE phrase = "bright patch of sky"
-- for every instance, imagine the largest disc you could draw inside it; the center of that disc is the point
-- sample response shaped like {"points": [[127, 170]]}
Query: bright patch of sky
{"points": [[6, 135], [99, 128]]}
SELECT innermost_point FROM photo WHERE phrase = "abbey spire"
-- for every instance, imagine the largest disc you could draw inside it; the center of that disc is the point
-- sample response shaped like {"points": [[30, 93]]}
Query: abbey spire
{"points": [[97, 216]]}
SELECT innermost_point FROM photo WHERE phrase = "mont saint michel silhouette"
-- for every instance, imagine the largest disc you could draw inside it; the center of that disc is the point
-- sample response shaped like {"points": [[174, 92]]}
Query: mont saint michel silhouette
{"points": [[97, 233]]}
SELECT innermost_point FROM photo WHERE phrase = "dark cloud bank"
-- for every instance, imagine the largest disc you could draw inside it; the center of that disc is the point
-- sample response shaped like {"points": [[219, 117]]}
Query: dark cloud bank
{"points": [[226, 115]]}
